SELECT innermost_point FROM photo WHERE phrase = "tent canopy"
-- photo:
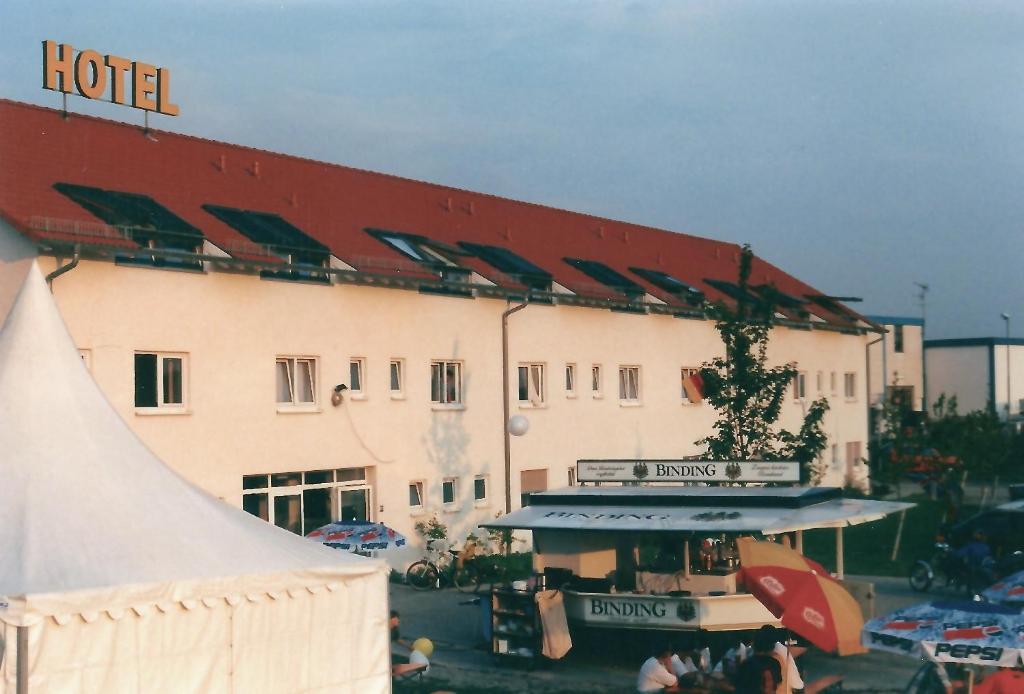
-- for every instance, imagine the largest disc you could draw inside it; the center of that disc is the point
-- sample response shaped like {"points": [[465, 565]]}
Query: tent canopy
{"points": [[90, 519]]}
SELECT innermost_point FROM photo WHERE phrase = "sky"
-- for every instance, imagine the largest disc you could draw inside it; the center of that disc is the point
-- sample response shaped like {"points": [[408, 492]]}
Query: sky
{"points": [[862, 146]]}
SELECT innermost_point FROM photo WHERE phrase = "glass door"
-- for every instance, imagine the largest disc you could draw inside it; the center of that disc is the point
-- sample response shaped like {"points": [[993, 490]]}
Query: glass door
{"points": [[288, 512], [354, 504]]}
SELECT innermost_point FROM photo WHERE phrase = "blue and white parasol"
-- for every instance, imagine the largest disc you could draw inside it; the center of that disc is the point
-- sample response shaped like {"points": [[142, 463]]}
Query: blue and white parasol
{"points": [[951, 632], [358, 536], [1009, 591]]}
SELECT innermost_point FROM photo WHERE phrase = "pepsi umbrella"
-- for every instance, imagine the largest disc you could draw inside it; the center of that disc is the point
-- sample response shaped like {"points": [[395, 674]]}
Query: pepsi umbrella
{"points": [[1009, 590], [358, 536], [951, 632]]}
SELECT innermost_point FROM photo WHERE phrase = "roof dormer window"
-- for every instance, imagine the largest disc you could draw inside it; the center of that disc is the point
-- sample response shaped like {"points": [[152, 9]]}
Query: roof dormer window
{"points": [[610, 278]]}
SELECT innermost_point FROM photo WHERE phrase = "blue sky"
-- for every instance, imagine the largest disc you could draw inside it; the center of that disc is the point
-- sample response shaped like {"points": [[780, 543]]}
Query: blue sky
{"points": [[862, 146]]}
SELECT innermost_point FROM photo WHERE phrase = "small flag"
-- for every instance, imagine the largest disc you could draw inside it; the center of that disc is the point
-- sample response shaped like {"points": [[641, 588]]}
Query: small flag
{"points": [[694, 387]]}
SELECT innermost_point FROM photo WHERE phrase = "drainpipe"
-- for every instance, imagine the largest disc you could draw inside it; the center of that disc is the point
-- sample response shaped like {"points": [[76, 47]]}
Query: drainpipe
{"points": [[867, 371], [64, 268], [21, 661], [504, 402]]}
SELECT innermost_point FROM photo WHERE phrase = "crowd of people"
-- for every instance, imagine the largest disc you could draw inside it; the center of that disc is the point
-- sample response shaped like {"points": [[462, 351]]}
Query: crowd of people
{"points": [[757, 664]]}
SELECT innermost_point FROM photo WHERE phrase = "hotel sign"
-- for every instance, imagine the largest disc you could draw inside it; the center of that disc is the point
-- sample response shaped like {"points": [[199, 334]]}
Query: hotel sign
{"points": [[89, 74], [687, 471]]}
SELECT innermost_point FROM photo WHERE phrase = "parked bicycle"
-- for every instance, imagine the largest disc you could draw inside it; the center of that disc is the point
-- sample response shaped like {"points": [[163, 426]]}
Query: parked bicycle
{"points": [[443, 566]]}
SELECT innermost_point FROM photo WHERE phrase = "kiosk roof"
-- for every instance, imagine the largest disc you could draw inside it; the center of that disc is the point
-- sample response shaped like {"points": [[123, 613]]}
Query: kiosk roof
{"points": [[643, 496], [615, 514]]}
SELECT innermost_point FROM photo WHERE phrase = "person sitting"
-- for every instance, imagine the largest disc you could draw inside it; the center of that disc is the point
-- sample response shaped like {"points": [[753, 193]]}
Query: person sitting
{"points": [[683, 668], [1004, 681], [732, 659], [974, 555], [656, 673], [760, 673], [791, 673]]}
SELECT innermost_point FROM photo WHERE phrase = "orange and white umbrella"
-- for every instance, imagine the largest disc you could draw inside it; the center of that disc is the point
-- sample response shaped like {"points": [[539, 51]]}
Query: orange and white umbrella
{"points": [[802, 594]]}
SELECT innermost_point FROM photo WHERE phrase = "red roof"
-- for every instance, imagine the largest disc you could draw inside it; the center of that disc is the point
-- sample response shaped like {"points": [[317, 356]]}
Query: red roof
{"points": [[335, 204]]}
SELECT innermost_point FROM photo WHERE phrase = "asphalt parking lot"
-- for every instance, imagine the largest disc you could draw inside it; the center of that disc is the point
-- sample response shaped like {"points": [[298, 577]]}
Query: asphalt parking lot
{"points": [[461, 658]]}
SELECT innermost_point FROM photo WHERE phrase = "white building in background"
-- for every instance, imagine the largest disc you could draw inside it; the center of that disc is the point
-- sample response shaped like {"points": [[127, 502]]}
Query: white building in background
{"points": [[222, 295], [897, 353], [977, 371]]}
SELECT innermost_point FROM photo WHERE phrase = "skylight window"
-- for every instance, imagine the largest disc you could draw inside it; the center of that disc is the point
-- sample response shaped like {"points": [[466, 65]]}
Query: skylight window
{"points": [[432, 254], [607, 276], [142, 219], [732, 291], [280, 237], [670, 284], [509, 263], [779, 298]]}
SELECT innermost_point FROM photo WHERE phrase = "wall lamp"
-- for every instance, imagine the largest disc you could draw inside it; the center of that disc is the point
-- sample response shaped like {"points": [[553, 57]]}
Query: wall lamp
{"points": [[336, 394]]}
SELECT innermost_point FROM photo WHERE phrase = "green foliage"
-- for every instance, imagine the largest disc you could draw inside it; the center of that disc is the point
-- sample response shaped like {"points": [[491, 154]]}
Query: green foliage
{"points": [[500, 539], [979, 439], [892, 451], [748, 394], [431, 529]]}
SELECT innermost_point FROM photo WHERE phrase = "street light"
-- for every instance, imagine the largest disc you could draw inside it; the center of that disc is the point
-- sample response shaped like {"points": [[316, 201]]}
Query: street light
{"points": [[1006, 317]]}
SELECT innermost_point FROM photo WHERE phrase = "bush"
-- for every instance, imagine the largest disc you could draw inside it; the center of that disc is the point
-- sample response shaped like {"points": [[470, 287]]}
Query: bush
{"points": [[432, 529]]}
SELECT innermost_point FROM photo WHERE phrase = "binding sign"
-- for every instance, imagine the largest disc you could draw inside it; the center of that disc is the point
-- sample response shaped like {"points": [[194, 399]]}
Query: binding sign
{"points": [[88, 74], [687, 471]]}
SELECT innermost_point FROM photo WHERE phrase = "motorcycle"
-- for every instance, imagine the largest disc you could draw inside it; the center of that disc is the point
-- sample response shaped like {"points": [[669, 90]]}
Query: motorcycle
{"points": [[956, 573]]}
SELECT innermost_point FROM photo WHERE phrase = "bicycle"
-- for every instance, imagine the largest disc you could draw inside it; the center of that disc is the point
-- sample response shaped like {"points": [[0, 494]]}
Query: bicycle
{"points": [[444, 566]]}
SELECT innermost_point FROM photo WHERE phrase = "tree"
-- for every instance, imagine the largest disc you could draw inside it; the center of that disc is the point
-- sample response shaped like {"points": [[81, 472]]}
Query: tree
{"points": [[898, 441], [748, 394], [979, 439]]}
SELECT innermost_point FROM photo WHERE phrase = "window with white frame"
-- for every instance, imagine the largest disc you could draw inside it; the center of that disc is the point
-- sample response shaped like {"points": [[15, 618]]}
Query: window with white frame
{"points": [[449, 491], [416, 495], [832, 383], [629, 383], [396, 377], [686, 375], [570, 380], [850, 385], [159, 380], [531, 384], [800, 386], [819, 382], [897, 339], [296, 381], [301, 502], [572, 477], [356, 375], [480, 488], [835, 453], [595, 380], [446, 382]]}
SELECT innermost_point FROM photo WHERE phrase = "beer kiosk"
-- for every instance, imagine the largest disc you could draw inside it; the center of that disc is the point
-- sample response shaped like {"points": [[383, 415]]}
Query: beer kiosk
{"points": [[648, 544]]}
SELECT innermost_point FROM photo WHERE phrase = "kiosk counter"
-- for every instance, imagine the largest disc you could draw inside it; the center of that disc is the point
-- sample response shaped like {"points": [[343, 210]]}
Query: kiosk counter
{"points": [[659, 557]]}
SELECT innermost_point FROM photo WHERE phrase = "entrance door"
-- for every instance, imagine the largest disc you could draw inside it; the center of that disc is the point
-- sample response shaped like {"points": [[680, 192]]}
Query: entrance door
{"points": [[316, 508], [354, 504], [288, 512]]}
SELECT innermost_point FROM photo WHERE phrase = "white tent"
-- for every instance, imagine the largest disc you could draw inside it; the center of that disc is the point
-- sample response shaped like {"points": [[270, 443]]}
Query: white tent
{"points": [[121, 576]]}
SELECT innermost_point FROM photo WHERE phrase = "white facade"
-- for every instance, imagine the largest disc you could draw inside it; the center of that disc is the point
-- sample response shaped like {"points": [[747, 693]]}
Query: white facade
{"points": [[899, 355], [978, 371], [227, 332]]}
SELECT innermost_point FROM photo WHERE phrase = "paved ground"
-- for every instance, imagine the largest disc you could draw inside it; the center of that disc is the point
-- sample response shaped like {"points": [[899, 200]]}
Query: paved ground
{"points": [[461, 659]]}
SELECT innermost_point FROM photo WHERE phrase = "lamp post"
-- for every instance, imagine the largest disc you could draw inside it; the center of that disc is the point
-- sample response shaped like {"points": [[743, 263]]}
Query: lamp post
{"points": [[1006, 318]]}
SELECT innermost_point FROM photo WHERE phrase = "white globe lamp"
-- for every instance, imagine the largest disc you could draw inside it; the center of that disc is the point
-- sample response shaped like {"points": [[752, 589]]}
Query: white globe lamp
{"points": [[518, 425]]}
